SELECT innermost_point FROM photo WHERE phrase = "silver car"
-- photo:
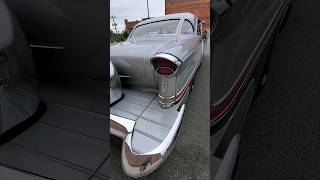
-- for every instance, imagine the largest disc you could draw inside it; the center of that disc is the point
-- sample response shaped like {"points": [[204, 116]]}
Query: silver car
{"points": [[151, 75]]}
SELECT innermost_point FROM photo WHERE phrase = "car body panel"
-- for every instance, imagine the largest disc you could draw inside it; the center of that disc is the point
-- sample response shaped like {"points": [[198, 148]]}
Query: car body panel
{"points": [[132, 57], [242, 41], [147, 128], [238, 50]]}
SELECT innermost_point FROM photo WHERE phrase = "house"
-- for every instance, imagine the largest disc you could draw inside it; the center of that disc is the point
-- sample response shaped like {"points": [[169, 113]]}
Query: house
{"points": [[130, 24], [201, 8]]}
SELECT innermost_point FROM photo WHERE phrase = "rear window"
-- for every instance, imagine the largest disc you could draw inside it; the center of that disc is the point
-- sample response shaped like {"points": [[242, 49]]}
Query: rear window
{"points": [[156, 28], [187, 28]]}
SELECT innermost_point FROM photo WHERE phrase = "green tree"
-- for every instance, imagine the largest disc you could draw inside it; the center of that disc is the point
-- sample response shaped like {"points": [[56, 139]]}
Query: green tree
{"points": [[119, 37], [125, 33]]}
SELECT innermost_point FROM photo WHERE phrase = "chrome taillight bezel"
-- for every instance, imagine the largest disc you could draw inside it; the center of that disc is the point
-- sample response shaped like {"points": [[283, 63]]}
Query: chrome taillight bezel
{"points": [[166, 57]]}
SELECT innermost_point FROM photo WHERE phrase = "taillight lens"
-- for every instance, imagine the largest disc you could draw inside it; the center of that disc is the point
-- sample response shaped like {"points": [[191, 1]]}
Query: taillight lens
{"points": [[164, 66]]}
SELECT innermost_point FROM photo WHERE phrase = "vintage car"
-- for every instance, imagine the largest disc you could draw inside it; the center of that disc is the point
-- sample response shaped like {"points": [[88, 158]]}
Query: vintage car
{"points": [[53, 81], [242, 36], [151, 75]]}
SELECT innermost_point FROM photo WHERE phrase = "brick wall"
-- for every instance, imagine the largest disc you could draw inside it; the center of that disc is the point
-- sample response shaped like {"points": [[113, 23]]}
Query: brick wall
{"points": [[130, 25], [201, 8]]}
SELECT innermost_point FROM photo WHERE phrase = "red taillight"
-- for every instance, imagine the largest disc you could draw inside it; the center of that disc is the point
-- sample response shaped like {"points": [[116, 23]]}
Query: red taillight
{"points": [[164, 66]]}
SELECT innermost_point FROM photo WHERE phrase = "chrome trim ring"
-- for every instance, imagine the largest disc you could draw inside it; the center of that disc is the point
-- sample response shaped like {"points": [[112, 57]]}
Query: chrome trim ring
{"points": [[166, 102]]}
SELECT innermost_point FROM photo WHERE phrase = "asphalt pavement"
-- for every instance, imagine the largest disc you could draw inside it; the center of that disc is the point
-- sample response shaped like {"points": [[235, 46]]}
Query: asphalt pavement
{"points": [[189, 158], [281, 138]]}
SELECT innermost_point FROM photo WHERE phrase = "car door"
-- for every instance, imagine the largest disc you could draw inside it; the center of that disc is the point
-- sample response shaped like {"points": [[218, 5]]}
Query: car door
{"points": [[242, 39], [238, 31]]}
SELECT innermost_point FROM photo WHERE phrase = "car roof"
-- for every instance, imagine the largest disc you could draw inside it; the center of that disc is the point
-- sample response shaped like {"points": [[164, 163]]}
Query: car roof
{"points": [[189, 16]]}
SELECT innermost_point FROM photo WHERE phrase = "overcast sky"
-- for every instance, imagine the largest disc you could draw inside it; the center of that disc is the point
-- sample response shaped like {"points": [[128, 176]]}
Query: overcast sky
{"points": [[134, 10]]}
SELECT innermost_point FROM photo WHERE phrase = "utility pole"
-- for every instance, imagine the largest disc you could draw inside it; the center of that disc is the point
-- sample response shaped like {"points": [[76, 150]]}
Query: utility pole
{"points": [[114, 23], [148, 8]]}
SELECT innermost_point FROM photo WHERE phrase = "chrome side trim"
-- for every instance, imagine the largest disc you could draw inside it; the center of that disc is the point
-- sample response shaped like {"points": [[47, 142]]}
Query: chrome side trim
{"points": [[124, 76], [46, 47]]}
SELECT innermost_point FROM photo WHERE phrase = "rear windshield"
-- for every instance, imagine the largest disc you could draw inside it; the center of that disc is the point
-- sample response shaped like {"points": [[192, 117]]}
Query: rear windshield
{"points": [[156, 28]]}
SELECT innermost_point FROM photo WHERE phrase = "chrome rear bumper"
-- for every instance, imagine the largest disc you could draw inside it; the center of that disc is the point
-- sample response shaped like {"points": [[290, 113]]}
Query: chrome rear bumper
{"points": [[137, 164]]}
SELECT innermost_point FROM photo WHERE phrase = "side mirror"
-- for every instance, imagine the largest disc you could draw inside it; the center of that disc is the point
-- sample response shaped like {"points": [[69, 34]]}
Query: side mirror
{"points": [[204, 34]]}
